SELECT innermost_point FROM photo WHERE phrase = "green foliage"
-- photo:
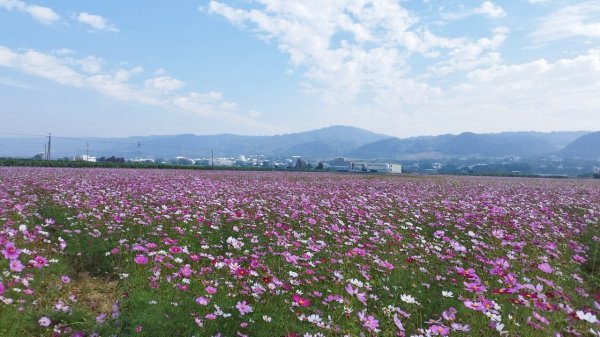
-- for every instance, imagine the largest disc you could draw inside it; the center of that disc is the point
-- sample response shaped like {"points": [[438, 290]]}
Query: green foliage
{"points": [[85, 164]]}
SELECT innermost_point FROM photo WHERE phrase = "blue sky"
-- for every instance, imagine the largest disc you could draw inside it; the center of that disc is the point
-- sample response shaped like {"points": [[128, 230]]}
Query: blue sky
{"points": [[403, 68]]}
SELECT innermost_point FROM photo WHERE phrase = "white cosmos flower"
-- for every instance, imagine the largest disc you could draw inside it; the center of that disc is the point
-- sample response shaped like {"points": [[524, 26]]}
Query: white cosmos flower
{"points": [[408, 299], [587, 316]]}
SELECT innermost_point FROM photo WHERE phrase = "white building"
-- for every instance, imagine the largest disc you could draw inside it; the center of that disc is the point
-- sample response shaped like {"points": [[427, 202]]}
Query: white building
{"points": [[384, 168], [85, 157]]}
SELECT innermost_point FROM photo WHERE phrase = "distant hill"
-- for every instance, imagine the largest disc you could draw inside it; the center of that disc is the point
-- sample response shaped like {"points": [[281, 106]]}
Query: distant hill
{"points": [[468, 144], [326, 143], [586, 146], [323, 143]]}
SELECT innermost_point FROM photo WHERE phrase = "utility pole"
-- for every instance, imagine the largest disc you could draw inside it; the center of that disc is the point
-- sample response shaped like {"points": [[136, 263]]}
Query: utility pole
{"points": [[45, 151], [212, 158], [48, 154], [139, 144]]}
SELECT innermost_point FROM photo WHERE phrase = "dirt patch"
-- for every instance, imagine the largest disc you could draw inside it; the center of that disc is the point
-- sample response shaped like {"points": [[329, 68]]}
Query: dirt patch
{"points": [[98, 293]]}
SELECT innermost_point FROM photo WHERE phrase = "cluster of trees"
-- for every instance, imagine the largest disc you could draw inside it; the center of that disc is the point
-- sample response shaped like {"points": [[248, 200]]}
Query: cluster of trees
{"points": [[111, 159]]}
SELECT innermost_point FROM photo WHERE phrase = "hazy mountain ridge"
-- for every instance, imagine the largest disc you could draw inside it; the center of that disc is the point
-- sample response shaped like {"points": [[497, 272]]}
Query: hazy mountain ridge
{"points": [[586, 146], [468, 144], [330, 142]]}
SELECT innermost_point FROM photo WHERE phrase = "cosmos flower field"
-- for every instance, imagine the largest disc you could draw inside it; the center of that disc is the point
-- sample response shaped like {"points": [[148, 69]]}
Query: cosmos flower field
{"points": [[110, 252]]}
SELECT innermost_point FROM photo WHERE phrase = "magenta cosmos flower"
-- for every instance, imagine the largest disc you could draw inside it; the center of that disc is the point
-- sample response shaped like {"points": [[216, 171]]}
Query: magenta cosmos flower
{"points": [[303, 302], [175, 249], [141, 259], [10, 251], [39, 262]]}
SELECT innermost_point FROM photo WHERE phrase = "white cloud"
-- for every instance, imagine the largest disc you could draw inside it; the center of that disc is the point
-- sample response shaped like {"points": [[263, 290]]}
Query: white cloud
{"points": [[580, 20], [95, 21], [361, 50], [123, 75], [471, 55], [539, 95], [41, 65], [490, 9], [349, 49], [90, 64], [537, 1], [119, 84], [487, 8], [44, 15], [163, 84]]}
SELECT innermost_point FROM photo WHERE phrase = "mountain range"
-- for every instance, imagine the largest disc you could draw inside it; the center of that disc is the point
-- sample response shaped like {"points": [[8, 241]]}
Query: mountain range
{"points": [[326, 143]]}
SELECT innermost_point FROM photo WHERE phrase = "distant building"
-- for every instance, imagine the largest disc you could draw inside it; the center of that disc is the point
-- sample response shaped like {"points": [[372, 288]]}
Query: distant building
{"points": [[341, 165], [300, 164], [85, 157], [112, 159], [384, 168], [180, 160]]}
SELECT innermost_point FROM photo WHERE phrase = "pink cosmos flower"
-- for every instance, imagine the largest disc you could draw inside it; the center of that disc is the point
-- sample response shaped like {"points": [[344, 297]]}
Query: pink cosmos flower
{"points": [[16, 266], [101, 318], [474, 287], [545, 267], [44, 321], [65, 279], [369, 321], [175, 249], [243, 308], [398, 323], [461, 328], [185, 271], [439, 330], [303, 302], [141, 259], [468, 273], [10, 251], [541, 318], [1, 288], [474, 305], [39, 262], [449, 314], [211, 290], [202, 300]]}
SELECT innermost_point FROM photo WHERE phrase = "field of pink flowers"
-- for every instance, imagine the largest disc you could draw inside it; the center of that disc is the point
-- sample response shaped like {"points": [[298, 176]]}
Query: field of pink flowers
{"points": [[108, 252]]}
